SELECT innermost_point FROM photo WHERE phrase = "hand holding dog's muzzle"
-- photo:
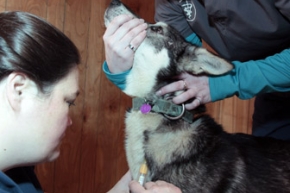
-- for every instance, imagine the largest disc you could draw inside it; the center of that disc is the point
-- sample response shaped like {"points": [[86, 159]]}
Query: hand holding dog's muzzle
{"points": [[123, 35]]}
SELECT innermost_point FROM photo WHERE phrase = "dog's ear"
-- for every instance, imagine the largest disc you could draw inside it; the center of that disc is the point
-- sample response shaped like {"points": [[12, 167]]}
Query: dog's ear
{"points": [[198, 60]]}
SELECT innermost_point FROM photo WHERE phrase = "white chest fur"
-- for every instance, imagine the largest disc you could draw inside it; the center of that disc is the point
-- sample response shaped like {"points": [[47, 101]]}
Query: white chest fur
{"points": [[136, 124]]}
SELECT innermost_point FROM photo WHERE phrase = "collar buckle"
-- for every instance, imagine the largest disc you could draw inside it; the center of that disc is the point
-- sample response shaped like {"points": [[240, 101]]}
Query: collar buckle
{"points": [[178, 116]]}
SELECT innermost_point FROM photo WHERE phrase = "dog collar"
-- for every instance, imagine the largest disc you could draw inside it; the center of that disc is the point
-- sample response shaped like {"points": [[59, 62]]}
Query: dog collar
{"points": [[168, 109]]}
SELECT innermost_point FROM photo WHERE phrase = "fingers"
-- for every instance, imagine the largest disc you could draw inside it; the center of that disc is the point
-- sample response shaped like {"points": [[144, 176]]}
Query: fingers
{"points": [[161, 186], [127, 177], [116, 23], [122, 184], [195, 103], [191, 93], [132, 32], [137, 40], [153, 187], [196, 90], [124, 30], [135, 187], [172, 87]]}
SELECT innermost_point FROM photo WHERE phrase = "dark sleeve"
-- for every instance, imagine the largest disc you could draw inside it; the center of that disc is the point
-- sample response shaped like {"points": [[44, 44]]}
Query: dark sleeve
{"points": [[25, 178], [284, 7], [171, 13]]}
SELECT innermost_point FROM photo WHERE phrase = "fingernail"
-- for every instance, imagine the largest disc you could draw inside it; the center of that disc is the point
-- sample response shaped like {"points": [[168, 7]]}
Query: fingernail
{"points": [[159, 93]]}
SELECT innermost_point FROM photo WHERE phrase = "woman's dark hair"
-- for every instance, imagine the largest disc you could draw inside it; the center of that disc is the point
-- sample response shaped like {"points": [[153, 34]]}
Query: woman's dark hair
{"points": [[31, 45]]}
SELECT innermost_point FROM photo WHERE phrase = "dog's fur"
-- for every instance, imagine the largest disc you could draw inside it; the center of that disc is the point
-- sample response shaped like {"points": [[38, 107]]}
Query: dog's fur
{"points": [[199, 156]]}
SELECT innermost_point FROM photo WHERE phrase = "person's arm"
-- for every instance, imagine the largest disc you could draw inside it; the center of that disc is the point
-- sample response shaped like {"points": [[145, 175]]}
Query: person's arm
{"points": [[172, 14], [122, 31], [284, 7], [246, 80], [119, 79], [250, 78]]}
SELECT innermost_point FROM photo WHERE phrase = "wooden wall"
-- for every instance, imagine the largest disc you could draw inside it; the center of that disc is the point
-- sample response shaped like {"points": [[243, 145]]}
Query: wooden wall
{"points": [[92, 154]]}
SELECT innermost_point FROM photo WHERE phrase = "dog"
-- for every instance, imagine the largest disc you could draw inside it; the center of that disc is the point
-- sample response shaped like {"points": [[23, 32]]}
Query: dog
{"points": [[188, 148]]}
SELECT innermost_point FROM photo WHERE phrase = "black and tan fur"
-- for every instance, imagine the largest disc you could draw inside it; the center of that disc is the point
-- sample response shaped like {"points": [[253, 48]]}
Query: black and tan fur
{"points": [[200, 156]]}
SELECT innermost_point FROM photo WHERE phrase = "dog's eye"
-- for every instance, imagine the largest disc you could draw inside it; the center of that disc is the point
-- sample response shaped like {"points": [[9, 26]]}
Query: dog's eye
{"points": [[157, 29]]}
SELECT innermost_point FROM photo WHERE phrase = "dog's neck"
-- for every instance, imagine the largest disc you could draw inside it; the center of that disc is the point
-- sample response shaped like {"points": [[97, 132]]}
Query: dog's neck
{"points": [[166, 108]]}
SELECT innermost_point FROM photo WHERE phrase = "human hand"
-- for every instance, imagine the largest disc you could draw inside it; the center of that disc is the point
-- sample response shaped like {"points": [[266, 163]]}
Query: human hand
{"points": [[122, 185], [196, 86], [125, 182], [153, 187], [122, 31]]}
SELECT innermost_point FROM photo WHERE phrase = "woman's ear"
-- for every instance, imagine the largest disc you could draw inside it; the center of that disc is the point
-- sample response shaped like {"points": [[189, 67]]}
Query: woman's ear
{"points": [[17, 84]]}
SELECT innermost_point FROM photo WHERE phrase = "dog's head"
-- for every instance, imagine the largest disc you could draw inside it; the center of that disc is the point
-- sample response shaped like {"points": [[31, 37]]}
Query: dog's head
{"points": [[162, 55]]}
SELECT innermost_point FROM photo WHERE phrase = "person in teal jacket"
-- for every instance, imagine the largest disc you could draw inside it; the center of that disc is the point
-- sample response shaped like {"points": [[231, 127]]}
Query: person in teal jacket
{"points": [[253, 35]]}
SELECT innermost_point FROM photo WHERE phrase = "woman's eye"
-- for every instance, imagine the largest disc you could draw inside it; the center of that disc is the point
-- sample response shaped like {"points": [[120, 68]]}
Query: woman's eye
{"points": [[71, 103]]}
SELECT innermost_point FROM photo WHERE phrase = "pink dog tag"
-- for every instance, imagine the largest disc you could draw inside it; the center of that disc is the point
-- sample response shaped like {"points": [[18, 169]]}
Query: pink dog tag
{"points": [[145, 108]]}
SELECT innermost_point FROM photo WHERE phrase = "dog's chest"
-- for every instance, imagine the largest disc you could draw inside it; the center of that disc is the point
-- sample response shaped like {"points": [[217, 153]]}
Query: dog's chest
{"points": [[152, 136], [136, 124]]}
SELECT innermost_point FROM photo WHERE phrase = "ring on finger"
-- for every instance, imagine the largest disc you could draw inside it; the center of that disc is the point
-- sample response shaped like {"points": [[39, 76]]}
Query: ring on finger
{"points": [[184, 85], [199, 101], [132, 47]]}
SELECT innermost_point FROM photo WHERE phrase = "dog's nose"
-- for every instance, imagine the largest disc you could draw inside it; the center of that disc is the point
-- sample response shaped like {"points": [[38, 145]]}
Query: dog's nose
{"points": [[157, 29], [115, 2]]}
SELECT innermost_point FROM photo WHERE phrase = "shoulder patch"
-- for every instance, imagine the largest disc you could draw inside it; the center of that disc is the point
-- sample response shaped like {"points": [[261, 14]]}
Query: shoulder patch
{"points": [[189, 9]]}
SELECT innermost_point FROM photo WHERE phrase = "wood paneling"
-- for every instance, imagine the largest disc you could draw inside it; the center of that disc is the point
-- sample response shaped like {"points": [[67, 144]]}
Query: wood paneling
{"points": [[92, 153], [2, 5]]}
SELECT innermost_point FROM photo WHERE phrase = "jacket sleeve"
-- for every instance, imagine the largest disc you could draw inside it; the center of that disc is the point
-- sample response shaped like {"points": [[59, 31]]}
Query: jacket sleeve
{"points": [[118, 79], [172, 14], [250, 78], [284, 7]]}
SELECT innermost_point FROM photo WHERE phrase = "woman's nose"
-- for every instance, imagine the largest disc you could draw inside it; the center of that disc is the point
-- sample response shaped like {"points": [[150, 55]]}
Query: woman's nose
{"points": [[69, 121]]}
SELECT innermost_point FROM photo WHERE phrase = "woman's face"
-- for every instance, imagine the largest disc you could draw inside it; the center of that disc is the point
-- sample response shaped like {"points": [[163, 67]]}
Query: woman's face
{"points": [[48, 117]]}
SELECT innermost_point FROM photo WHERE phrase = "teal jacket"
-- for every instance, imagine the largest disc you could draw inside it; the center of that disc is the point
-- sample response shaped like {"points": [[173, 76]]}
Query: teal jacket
{"points": [[246, 80], [19, 180]]}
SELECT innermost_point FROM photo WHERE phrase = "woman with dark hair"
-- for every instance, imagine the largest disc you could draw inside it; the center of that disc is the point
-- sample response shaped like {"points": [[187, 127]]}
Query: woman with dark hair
{"points": [[38, 78]]}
